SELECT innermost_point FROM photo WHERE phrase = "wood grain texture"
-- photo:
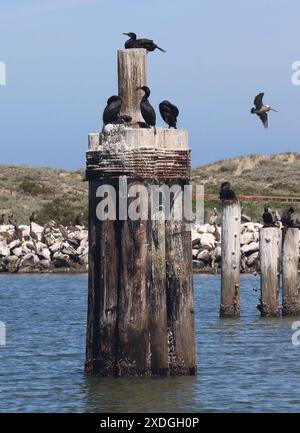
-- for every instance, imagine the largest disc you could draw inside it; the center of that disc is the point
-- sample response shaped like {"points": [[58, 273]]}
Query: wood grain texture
{"points": [[132, 73], [230, 261], [290, 276], [269, 265]]}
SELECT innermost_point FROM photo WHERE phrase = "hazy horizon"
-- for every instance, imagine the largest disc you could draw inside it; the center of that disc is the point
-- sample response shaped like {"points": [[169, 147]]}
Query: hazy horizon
{"points": [[60, 59]]}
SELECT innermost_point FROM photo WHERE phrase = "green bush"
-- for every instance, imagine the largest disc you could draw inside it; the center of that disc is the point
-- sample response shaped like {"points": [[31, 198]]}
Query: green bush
{"points": [[63, 210], [30, 186]]}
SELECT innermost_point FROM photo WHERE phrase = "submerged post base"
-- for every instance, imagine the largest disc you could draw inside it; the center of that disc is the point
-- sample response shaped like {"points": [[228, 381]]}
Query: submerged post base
{"points": [[230, 310], [290, 306]]}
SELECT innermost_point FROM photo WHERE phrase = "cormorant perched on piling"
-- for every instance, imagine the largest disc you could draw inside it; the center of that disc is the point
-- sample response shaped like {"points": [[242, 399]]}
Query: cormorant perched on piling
{"points": [[133, 42], [268, 218], [111, 113], [147, 110], [32, 218], [286, 217], [261, 109], [169, 113], [226, 193]]}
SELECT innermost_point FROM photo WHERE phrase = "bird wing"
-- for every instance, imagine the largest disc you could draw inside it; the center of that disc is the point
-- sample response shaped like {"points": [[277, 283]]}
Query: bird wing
{"points": [[258, 101], [167, 107], [264, 118], [112, 110]]}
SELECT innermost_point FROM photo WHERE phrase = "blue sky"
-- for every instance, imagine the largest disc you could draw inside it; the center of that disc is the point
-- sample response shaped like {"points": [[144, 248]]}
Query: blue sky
{"points": [[61, 67]]}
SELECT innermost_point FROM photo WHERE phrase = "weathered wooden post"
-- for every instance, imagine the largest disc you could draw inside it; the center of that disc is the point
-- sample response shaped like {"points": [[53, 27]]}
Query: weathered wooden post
{"points": [[231, 256], [140, 301], [269, 247], [290, 276]]}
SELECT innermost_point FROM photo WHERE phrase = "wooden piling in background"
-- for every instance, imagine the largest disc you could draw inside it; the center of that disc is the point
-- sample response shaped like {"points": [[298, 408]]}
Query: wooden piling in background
{"points": [[140, 301], [290, 276], [270, 267], [231, 256]]}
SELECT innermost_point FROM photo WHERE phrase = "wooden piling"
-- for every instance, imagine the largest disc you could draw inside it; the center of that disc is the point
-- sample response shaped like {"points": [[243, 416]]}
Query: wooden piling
{"points": [[269, 268], [140, 302], [290, 276], [132, 73], [230, 262]]}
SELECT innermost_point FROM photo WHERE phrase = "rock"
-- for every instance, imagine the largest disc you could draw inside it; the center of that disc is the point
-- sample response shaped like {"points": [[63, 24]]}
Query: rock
{"points": [[252, 259], [18, 251], [37, 228], [44, 254], [198, 265], [208, 239], [251, 248], [14, 244], [195, 253], [202, 229], [55, 247], [247, 237], [4, 250], [204, 256], [45, 264], [210, 228]]}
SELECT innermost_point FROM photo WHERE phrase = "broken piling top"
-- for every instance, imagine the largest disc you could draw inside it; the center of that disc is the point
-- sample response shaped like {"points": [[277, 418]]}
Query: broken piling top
{"points": [[132, 73]]}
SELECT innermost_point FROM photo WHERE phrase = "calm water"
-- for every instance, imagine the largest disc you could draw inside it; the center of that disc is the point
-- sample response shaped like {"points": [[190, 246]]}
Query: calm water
{"points": [[244, 365]]}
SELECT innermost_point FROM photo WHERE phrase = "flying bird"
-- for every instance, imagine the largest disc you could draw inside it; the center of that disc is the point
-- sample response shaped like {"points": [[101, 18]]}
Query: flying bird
{"points": [[133, 42], [268, 218], [226, 193], [169, 113], [147, 110], [111, 113], [261, 109]]}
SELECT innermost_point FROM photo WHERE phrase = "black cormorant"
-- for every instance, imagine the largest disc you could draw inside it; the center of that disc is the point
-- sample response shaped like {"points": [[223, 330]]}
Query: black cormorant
{"points": [[261, 110], [268, 218], [111, 113], [169, 113], [32, 218], [133, 42], [226, 193], [147, 110], [2, 219], [286, 217]]}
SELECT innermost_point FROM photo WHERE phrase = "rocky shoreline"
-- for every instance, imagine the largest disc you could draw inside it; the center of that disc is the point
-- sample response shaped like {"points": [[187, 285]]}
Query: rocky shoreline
{"points": [[55, 248], [37, 249]]}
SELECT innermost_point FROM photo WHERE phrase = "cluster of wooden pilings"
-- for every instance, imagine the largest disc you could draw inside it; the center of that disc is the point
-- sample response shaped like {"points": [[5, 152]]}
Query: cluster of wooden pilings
{"points": [[140, 299], [279, 255]]}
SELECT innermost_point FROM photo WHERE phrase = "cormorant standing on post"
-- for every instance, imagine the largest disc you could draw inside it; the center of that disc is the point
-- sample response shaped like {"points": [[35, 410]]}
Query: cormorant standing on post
{"points": [[169, 113], [268, 218], [147, 110], [111, 113], [286, 217], [226, 193], [133, 42], [261, 109], [32, 218]]}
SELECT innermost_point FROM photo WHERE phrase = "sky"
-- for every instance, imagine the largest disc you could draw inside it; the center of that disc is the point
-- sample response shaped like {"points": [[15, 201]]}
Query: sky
{"points": [[60, 58]]}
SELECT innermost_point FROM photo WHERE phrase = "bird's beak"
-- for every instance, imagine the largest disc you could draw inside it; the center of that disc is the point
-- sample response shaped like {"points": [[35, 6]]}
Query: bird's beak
{"points": [[138, 88], [126, 34], [273, 109]]}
